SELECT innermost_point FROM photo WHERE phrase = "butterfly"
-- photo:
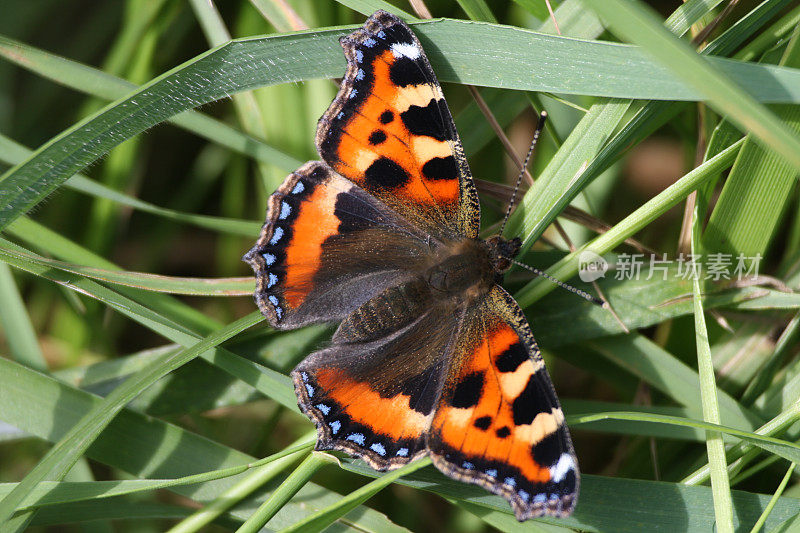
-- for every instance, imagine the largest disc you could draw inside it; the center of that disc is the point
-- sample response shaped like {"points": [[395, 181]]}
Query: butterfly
{"points": [[431, 356]]}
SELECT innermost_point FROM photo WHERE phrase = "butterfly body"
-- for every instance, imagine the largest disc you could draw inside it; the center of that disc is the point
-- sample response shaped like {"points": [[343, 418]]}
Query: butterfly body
{"points": [[432, 356]]}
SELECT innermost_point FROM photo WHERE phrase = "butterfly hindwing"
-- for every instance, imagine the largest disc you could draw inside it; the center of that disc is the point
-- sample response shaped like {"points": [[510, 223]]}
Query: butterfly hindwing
{"points": [[498, 423], [375, 398], [326, 247], [390, 131]]}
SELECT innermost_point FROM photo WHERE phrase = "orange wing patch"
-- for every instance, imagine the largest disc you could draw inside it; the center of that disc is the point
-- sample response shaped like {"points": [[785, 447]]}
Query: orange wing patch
{"points": [[314, 222], [352, 416]]}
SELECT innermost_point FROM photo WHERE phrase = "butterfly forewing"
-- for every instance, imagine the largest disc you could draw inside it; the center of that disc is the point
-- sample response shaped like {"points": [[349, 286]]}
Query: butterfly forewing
{"points": [[327, 247], [390, 131]]}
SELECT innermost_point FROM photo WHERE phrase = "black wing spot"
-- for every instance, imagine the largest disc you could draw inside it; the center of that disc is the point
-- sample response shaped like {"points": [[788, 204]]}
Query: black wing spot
{"points": [[483, 422], [377, 137], [428, 120], [467, 392], [440, 168], [385, 173], [406, 71], [547, 451], [509, 360], [530, 402], [422, 389], [503, 432], [386, 117]]}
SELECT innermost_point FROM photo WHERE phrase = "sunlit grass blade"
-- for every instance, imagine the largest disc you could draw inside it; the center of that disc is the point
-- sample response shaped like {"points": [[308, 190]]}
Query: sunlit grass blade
{"points": [[150, 282], [639, 25], [232, 68]]}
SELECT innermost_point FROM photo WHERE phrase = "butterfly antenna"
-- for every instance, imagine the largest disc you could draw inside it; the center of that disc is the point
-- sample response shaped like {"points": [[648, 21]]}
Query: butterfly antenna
{"points": [[539, 128], [570, 288]]}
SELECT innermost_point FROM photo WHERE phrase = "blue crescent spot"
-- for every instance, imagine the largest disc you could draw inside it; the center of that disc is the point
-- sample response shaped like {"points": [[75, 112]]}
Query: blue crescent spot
{"points": [[510, 481], [359, 56], [272, 299], [304, 376], [358, 438], [279, 312], [310, 390], [352, 94], [324, 408], [524, 496], [360, 75], [540, 498], [269, 258], [467, 465], [335, 427], [402, 452], [273, 279], [381, 35], [286, 210], [378, 448], [298, 188], [369, 42], [340, 115], [276, 235], [491, 472]]}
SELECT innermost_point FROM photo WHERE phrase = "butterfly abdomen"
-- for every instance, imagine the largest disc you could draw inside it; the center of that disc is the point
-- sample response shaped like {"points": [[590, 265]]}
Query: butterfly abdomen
{"points": [[394, 308]]}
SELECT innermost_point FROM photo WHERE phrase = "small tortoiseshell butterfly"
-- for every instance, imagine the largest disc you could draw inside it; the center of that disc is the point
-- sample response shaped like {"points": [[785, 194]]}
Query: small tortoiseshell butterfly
{"points": [[432, 356]]}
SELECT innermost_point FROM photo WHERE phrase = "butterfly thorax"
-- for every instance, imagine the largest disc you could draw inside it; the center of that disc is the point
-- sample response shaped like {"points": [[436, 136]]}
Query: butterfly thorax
{"points": [[469, 268]]}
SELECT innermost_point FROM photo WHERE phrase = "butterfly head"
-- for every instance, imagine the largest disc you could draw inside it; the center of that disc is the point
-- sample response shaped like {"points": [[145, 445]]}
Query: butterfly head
{"points": [[502, 251]]}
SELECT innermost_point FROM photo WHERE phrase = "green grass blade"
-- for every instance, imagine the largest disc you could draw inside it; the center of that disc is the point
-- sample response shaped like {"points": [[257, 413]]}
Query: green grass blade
{"points": [[50, 493], [97, 83], [241, 490], [477, 10], [232, 68], [327, 516], [568, 267], [782, 448], [290, 486], [757, 191], [639, 25], [19, 334], [774, 499], [69, 449], [715, 447], [150, 282], [46, 408]]}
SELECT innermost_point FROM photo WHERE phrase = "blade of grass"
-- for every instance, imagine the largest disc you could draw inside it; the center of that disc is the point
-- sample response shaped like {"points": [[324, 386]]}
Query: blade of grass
{"points": [[50, 493], [59, 459], [325, 517], [638, 24], [658, 205], [774, 499], [715, 447], [231, 68], [19, 334], [758, 188], [290, 486], [47, 409], [787, 450], [240, 491]]}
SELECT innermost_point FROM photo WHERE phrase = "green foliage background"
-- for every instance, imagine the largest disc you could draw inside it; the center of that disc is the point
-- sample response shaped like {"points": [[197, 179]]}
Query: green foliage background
{"points": [[138, 385]]}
